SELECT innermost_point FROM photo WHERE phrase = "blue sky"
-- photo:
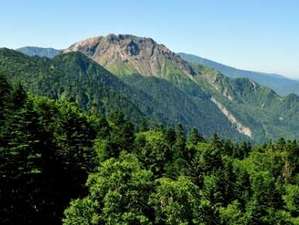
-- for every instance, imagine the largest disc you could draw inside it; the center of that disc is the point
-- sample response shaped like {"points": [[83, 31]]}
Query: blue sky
{"points": [[261, 35]]}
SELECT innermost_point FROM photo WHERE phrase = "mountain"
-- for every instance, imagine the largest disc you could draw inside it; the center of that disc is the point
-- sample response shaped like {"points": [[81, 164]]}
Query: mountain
{"points": [[131, 54], [252, 110], [145, 79], [146, 65], [278, 83], [75, 77], [41, 52]]}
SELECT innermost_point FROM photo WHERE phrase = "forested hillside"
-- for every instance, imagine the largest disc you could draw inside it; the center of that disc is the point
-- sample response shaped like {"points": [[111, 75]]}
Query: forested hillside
{"points": [[62, 165], [74, 77]]}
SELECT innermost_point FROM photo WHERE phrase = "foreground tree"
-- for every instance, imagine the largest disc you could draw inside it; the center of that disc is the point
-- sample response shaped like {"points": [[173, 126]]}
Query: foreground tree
{"points": [[45, 155], [118, 194], [176, 202]]}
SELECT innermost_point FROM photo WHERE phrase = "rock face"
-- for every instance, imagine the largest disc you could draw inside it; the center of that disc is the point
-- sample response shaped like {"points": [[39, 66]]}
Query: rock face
{"points": [[128, 54], [239, 126]]}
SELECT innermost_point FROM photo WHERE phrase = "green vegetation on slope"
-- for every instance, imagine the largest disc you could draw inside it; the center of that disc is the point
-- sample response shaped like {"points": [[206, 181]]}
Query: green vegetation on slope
{"points": [[257, 107], [188, 105], [278, 83], [73, 76]]}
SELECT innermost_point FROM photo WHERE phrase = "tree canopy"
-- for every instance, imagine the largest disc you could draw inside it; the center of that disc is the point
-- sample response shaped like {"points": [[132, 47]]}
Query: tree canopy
{"points": [[62, 165]]}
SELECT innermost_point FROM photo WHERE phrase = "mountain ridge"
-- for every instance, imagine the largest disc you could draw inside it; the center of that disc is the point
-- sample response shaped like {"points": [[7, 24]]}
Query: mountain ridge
{"points": [[125, 50], [282, 84], [190, 93]]}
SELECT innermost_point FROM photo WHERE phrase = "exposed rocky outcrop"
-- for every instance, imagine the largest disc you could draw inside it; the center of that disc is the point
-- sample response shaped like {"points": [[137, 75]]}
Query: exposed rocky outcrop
{"points": [[239, 126], [135, 54]]}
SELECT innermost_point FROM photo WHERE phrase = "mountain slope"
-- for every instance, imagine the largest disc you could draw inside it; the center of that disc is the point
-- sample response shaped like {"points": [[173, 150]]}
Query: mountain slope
{"points": [[129, 56], [278, 83], [251, 109], [76, 77], [41, 52], [195, 111], [257, 107]]}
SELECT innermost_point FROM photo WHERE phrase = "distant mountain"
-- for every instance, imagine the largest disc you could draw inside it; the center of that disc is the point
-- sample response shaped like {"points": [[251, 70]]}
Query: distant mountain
{"points": [[278, 83], [252, 110], [41, 52]]}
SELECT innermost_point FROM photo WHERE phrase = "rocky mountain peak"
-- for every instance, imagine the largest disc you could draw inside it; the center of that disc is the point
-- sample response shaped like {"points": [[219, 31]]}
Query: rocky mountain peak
{"points": [[137, 54]]}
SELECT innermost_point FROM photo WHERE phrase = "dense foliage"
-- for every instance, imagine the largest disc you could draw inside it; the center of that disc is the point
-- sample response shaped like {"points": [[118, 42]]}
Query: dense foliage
{"points": [[60, 165], [45, 154]]}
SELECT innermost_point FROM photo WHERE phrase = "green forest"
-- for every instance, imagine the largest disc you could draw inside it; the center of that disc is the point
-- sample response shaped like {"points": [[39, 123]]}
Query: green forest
{"points": [[61, 164]]}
